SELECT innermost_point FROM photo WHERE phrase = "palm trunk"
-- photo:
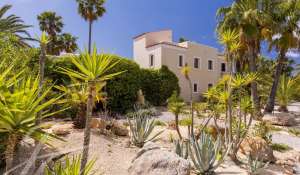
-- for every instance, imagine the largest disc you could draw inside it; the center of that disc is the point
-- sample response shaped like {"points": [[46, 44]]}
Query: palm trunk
{"points": [[271, 100], [10, 152], [87, 130], [90, 35], [177, 127], [254, 91]]}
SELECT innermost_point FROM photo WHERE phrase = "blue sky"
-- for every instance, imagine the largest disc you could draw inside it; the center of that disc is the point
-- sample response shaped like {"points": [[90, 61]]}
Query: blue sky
{"points": [[192, 19]]}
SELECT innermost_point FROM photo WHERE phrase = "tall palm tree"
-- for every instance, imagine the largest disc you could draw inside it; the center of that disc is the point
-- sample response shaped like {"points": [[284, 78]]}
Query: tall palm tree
{"points": [[91, 69], [286, 16], [249, 18], [13, 24], [91, 10], [51, 23]]}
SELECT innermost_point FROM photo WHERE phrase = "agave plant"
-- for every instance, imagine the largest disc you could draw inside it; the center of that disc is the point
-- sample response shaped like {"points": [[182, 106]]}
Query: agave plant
{"points": [[182, 148], [254, 165], [207, 154], [70, 167], [141, 127]]}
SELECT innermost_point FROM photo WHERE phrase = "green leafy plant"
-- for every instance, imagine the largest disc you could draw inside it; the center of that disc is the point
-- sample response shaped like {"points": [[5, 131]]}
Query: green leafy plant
{"points": [[262, 130], [176, 106], [160, 123], [280, 147], [141, 127], [294, 131], [182, 148], [207, 154], [70, 167], [254, 165]]}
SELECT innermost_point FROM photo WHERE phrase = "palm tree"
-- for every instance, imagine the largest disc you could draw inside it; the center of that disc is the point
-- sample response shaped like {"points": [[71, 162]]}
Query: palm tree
{"points": [[176, 106], [91, 69], [13, 24], [18, 109], [286, 17], [91, 10], [52, 24], [287, 88], [248, 17], [68, 42]]}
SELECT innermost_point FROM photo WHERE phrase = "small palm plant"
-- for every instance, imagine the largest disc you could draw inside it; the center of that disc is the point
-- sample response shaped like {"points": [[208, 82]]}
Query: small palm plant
{"points": [[141, 127], [207, 154], [176, 106], [70, 167], [286, 90], [19, 107], [92, 70]]}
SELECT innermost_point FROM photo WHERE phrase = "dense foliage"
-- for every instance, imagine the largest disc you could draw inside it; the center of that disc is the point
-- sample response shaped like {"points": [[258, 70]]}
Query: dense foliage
{"points": [[158, 85], [122, 91]]}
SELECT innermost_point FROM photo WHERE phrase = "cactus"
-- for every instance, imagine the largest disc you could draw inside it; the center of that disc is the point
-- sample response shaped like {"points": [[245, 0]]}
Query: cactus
{"points": [[141, 126], [182, 148], [207, 154]]}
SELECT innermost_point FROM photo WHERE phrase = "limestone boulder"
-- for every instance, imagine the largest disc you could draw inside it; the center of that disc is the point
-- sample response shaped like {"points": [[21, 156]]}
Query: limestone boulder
{"points": [[62, 129], [119, 129], [281, 119], [257, 148], [153, 160]]}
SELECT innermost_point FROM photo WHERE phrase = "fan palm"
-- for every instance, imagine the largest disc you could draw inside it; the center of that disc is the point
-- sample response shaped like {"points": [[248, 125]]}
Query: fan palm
{"points": [[91, 10], [91, 69], [13, 24], [68, 42], [50, 23], [286, 16], [18, 111], [250, 18], [287, 88]]}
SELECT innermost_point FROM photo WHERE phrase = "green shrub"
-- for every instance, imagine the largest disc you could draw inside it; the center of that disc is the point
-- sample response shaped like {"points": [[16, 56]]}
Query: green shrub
{"points": [[294, 131], [122, 90], [158, 85], [160, 123], [280, 147]]}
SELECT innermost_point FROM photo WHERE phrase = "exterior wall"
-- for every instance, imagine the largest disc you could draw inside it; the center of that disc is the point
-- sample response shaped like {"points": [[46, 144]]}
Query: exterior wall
{"points": [[168, 55], [141, 54]]}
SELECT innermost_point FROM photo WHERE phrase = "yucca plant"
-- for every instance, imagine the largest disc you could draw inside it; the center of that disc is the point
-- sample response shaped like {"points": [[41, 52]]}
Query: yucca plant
{"points": [[287, 88], [176, 106], [182, 148], [19, 106], [141, 127], [91, 69], [207, 154], [70, 167]]}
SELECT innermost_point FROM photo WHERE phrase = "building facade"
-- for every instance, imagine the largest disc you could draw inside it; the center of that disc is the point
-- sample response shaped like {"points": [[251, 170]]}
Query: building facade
{"points": [[154, 49]]}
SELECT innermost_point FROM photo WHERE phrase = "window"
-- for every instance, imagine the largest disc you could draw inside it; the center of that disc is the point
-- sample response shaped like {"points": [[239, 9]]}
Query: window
{"points": [[210, 65], [223, 67], [210, 85], [196, 63], [180, 61], [195, 88], [151, 60]]}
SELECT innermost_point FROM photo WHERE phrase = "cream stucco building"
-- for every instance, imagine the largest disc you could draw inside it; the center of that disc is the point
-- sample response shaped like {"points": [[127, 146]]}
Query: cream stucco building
{"points": [[154, 49]]}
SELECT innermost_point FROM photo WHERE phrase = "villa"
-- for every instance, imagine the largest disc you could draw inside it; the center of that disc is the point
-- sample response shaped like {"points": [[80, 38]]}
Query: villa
{"points": [[154, 49]]}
